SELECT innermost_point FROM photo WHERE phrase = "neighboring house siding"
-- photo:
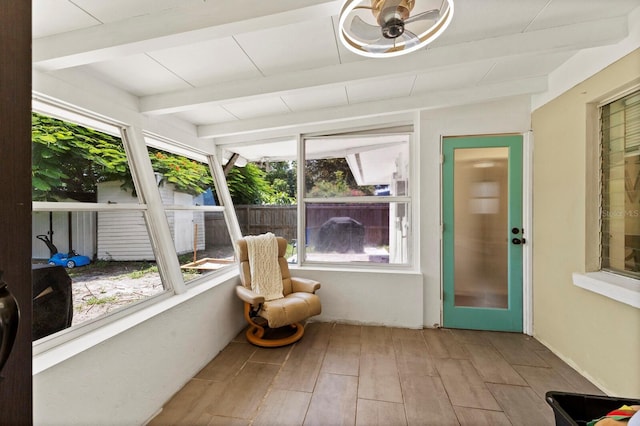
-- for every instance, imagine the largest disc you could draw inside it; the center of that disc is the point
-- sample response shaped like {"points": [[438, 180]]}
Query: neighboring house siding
{"points": [[123, 236], [83, 233]]}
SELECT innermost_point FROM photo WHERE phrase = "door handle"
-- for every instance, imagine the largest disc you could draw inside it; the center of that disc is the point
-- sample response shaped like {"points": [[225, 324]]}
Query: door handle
{"points": [[518, 241]]}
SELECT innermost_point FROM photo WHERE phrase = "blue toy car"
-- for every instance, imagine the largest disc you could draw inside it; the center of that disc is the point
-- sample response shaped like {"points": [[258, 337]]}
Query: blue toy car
{"points": [[68, 260]]}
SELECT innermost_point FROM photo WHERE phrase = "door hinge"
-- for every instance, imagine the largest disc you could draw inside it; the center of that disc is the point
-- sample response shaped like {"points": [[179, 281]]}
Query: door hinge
{"points": [[441, 158]]}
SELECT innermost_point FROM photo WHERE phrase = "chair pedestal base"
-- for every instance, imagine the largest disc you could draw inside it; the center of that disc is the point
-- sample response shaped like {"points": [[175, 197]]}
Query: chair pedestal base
{"points": [[256, 333]]}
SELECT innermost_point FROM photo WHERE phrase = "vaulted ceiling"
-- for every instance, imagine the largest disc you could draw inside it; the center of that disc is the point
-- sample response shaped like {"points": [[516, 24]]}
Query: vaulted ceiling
{"points": [[237, 66]]}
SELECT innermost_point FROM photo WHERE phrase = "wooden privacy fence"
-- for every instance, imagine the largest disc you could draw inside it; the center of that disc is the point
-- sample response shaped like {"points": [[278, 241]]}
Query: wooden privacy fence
{"points": [[282, 221]]}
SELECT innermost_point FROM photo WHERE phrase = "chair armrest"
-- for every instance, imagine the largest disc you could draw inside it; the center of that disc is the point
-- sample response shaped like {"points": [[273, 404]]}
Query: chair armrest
{"points": [[304, 284], [249, 296]]}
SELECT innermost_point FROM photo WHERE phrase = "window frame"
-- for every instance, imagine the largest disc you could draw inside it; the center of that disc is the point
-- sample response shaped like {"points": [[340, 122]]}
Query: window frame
{"points": [[608, 283], [148, 202], [407, 200], [174, 147]]}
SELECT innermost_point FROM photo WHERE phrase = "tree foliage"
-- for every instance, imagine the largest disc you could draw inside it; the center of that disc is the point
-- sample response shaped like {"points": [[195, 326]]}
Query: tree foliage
{"points": [[68, 161], [281, 175], [247, 184], [332, 177], [187, 175]]}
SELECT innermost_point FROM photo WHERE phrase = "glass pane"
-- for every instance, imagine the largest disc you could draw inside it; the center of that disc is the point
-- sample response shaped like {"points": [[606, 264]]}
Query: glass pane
{"points": [[481, 227], [342, 232], [357, 166], [107, 256], [201, 240], [620, 248], [182, 181], [74, 163]]}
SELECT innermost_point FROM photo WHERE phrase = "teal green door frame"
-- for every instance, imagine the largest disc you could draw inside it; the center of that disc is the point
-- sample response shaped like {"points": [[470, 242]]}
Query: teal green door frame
{"points": [[506, 315]]}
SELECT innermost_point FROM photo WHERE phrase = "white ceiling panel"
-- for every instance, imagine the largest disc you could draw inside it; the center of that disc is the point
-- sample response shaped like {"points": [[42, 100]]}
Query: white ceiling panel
{"points": [[532, 66], [116, 10], [473, 19], [68, 17], [257, 108], [225, 65], [138, 74], [394, 87], [298, 46], [345, 54], [565, 12], [317, 98], [209, 62], [451, 78], [206, 114]]}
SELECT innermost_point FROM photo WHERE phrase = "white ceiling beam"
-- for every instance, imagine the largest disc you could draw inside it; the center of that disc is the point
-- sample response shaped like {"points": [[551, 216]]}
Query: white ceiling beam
{"points": [[292, 122], [171, 28], [565, 38]]}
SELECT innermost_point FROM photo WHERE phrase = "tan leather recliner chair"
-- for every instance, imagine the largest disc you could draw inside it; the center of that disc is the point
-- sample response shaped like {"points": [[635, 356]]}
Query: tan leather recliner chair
{"points": [[299, 302]]}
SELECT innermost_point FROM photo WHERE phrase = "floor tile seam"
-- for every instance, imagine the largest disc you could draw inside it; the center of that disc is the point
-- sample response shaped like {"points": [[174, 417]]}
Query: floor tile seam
{"points": [[482, 376], [340, 374], [267, 362], [506, 412], [477, 408], [379, 400], [404, 376], [515, 364], [527, 365], [270, 387], [493, 382]]}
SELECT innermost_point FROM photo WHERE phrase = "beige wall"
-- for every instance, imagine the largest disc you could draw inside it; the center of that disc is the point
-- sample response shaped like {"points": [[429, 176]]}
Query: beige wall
{"points": [[599, 336]]}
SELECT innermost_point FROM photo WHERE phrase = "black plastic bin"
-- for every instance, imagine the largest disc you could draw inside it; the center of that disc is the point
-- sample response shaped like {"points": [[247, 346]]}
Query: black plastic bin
{"points": [[576, 409]]}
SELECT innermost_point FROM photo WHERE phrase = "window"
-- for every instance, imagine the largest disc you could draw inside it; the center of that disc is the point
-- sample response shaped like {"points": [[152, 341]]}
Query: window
{"points": [[194, 211], [357, 199], [620, 192], [349, 203], [88, 219], [104, 230]]}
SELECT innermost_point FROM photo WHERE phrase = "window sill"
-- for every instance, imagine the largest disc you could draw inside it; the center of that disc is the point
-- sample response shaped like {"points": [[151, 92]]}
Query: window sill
{"points": [[621, 289]]}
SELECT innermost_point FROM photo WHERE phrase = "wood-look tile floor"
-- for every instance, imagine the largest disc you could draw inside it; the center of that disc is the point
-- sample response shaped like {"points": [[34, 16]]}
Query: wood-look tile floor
{"points": [[360, 375]]}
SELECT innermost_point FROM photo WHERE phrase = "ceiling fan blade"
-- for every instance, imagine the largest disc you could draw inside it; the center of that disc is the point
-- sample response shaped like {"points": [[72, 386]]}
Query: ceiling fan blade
{"points": [[380, 46], [403, 42], [409, 39], [433, 15], [364, 31]]}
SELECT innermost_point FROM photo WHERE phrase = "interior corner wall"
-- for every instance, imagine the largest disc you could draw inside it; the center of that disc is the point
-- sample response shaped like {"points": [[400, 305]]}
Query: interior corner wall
{"points": [[127, 378], [387, 298], [597, 335], [505, 116]]}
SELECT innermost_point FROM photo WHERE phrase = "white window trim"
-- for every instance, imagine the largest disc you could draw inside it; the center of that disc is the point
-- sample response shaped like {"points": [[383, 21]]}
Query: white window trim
{"points": [[609, 284], [410, 200], [55, 348], [614, 286]]}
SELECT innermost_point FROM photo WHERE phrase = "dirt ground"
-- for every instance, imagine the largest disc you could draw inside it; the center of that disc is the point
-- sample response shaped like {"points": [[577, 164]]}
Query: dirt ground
{"points": [[103, 287]]}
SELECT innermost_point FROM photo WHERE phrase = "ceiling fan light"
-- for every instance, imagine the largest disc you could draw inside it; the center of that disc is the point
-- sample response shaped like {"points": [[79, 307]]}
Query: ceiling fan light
{"points": [[391, 41]]}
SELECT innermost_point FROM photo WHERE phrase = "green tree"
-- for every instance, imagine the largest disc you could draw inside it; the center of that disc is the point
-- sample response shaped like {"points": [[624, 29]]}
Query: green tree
{"points": [[281, 175], [247, 185], [69, 160], [332, 177]]}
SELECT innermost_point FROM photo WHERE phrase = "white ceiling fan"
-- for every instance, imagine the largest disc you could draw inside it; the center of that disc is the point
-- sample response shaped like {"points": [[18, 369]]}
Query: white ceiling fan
{"points": [[387, 28]]}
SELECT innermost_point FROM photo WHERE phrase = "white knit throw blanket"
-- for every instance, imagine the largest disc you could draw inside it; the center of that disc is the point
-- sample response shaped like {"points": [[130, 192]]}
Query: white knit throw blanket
{"points": [[266, 277]]}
